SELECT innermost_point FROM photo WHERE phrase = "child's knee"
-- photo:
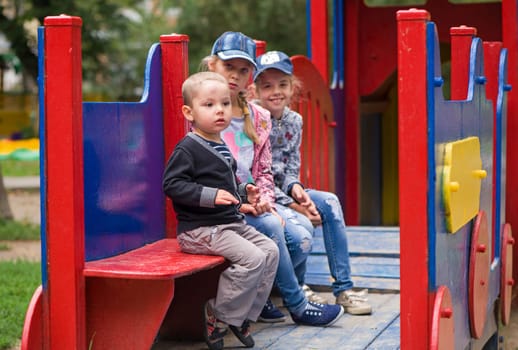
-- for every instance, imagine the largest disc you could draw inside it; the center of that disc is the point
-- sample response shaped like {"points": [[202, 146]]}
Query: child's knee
{"points": [[305, 244], [300, 240], [277, 237], [333, 204], [257, 259]]}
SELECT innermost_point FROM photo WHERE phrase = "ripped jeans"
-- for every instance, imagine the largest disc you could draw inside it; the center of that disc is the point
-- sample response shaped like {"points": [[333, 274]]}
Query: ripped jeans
{"points": [[294, 242], [335, 238]]}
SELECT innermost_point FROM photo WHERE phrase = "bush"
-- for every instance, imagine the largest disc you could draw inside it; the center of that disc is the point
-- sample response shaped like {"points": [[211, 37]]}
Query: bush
{"points": [[11, 230], [12, 167]]}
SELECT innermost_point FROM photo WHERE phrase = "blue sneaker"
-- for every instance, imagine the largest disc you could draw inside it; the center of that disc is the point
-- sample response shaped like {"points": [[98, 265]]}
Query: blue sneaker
{"points": [[271, 314], [319, 314]]}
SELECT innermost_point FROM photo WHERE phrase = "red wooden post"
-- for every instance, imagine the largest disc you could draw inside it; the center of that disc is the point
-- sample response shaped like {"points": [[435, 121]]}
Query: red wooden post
{"points": [[413, 177], [319, 34], [64, 297], [175, 69], [461, 38], [350, 145], [260, 47]]}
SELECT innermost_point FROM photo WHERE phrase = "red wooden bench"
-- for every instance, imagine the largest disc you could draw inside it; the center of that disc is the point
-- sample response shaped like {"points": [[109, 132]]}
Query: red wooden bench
{"points": [[113, 276]]}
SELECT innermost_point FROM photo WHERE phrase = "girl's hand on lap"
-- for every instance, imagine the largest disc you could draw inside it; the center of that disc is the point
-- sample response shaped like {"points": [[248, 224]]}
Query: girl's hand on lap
{"points": [[309, 211], [312, 214], [262, 207], [248, 209], [253, 195], [300, 195]]}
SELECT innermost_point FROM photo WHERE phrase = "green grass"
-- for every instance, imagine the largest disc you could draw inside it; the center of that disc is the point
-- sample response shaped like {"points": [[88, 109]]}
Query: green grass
{"points": [[18, 281], [11, 230], [11, 167]]}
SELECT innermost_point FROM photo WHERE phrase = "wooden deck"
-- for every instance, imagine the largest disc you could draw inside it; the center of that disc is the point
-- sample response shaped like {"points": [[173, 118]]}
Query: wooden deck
{"points": [[374, 255]]}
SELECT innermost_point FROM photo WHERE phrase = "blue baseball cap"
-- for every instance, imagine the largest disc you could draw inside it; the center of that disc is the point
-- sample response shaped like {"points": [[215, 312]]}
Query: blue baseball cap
{"points": [[273, 60], [234, 45]]}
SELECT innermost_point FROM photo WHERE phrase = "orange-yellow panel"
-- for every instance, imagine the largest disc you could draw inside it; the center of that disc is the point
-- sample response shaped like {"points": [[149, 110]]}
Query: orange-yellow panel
{"points": [[462, 176]]}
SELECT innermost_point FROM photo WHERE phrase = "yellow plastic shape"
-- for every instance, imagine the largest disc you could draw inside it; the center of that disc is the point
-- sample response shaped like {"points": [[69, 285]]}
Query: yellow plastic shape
{"points": [[462, 176]]}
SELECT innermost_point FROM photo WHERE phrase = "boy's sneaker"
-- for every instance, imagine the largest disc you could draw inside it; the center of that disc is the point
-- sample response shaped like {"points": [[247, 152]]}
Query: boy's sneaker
{"points": [[243, 334], [214, 330], [271, 314], [319, 314], [354, 303], [312, 296]]}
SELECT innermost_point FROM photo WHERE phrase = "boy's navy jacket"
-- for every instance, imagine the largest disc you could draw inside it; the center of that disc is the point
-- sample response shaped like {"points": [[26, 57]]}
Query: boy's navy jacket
{"points": [[193, 174]]}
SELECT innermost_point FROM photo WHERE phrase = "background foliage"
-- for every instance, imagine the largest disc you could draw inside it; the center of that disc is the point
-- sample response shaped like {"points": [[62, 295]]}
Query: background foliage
{"points": [[118, 33], [281, 23]]}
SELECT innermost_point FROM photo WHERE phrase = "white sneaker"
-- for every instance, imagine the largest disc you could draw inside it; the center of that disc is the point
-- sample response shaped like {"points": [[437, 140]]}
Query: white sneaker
{"points": [[359, 294], [354, 303], [312, 296]]}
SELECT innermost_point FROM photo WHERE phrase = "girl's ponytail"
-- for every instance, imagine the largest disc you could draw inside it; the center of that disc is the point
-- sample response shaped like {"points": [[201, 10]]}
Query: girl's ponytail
{"points": [[204, 64], [249, 128]]}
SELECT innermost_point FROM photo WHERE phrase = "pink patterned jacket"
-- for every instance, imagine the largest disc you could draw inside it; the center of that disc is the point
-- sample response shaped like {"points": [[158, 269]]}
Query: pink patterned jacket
{"points": [[262, 164]]}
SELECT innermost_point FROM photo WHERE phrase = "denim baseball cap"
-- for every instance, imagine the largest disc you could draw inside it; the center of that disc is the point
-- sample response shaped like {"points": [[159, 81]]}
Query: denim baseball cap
{"points": [[273, 60], [234, 45]]}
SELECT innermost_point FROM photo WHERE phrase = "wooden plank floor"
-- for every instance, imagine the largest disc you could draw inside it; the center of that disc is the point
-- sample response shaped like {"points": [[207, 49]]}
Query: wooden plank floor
{"points": [[374, 255], [379, 331]]}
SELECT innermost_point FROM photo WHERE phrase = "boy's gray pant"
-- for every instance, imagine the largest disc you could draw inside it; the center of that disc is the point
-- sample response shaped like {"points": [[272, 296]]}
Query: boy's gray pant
{"points": [[245, 285]]}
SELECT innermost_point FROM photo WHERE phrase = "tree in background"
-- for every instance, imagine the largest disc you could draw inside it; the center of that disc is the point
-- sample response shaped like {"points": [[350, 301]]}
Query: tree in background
{"points": [[116, 35], [281, 23]]}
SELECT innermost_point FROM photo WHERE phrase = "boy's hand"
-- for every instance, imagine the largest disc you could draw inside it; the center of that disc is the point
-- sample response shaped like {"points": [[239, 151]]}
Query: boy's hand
{"points": [[225, 198]]}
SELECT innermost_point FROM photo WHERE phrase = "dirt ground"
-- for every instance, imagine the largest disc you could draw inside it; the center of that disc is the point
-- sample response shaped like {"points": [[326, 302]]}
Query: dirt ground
{"points": [[25, 206]]}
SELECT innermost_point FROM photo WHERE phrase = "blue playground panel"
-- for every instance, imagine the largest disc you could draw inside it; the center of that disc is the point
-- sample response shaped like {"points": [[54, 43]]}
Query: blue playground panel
{"points": [[375, 250], [124, 202]]}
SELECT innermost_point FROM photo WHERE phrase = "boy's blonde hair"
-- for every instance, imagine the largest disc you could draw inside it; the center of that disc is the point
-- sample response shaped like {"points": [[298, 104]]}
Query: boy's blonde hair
{"points": [[192, 83]]}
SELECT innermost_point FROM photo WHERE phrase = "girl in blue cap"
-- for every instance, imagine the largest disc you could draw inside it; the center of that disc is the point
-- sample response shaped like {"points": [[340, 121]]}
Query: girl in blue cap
{"points": [[233, 56], [275, 87]]}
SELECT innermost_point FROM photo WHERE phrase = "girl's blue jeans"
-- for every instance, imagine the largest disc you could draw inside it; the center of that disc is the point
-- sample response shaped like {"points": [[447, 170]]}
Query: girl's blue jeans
{"points": [[335, 238], [294, 242]]}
